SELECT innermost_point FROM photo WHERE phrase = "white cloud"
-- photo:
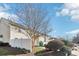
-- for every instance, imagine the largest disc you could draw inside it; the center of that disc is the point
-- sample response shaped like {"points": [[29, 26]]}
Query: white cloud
{"points": [[70, 9], [6, 15], [71, 5], [5, 7], [3, 13], [63, 12], [73, 31], [74, 12], [75, 17]]}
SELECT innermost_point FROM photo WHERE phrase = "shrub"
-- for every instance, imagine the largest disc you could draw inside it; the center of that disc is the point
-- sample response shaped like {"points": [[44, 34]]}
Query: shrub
{"points": [[66, 50], [68, 43], [0, 43], [51, 53], [63, 52], [65, 42], [54, 45], [4, 44], [20, 50], [52, 49], [40, 43]]}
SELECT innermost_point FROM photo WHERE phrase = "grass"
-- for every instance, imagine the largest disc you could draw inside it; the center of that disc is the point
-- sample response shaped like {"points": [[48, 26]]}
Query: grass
{"points": [[4, 51], [11, 51], [16, 51], [36, 49]]}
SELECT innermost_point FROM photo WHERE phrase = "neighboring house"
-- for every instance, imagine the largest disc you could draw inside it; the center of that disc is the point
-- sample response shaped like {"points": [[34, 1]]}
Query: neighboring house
{"points": [[42, 38], [16, 35], [76, 39], [4, 31], [16, 32], [19, 37], [11, 30], [45, 39]]}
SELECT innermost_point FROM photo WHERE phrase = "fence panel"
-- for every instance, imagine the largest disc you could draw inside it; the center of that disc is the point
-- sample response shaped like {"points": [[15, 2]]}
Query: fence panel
{"points": [[21, 43]]}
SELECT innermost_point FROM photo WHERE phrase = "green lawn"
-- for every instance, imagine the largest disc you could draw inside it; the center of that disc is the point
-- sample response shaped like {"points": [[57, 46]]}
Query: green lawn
{"points": [[38, 49], [11, 51], [15, 51], [4, 51]]}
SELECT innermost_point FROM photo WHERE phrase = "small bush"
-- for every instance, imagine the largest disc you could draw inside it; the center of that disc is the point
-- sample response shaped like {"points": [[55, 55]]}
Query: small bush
{"points": [[66, 50], [51, 53], [54, 45], [1, 43], [63, 52], [4, 44], [68, 43], [65, 42], [41, 43]]}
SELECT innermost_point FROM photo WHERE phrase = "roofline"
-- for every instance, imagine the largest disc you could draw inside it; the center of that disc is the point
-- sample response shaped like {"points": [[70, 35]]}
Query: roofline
{"points": [[22, 26]]}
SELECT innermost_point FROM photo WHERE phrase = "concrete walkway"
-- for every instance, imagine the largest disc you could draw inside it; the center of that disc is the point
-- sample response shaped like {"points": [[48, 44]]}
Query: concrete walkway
{"points": [[75, 53]]}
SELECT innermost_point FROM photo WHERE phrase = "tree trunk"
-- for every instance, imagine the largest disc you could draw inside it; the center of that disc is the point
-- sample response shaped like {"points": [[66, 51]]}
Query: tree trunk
{"points": [[33, 45], [33, 42]]}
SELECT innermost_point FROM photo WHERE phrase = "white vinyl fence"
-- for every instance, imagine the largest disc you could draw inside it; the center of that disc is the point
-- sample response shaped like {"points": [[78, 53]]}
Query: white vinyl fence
{"points": [[21, 43]]}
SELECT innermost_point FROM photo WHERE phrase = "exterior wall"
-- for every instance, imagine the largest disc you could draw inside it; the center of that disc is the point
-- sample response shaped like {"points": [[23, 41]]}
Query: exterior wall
{"points": [[76, 39], [4, 31], [44, 39], [19, 38], [22, 43], [11, 33], [16, 32]]}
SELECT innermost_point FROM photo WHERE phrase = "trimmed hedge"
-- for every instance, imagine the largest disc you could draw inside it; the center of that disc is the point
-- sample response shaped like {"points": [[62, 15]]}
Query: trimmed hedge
{"points": [[54, 48], [68, 43], [63, 52], [41, 43], [4, 44], [54, 45]]}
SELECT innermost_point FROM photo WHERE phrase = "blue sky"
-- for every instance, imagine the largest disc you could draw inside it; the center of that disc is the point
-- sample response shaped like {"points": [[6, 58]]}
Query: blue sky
{"points": [[64, 17]]}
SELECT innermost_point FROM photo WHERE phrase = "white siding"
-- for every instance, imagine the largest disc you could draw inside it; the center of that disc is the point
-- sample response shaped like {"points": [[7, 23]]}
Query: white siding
{"points": [[44, 39], [22, 43], [4, 31], [14, 33], [19, 39]]}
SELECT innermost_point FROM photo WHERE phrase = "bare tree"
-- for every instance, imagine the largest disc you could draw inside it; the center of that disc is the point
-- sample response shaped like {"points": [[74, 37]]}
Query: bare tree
{"points": [[76, 39], [35, 20]]}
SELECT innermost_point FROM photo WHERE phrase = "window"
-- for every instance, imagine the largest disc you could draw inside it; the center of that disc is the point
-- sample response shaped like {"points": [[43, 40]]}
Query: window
{"points": [[78, 42], [1, 36], [19, 30]]}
